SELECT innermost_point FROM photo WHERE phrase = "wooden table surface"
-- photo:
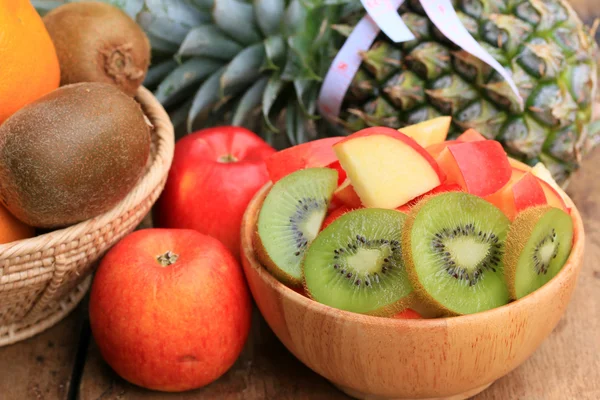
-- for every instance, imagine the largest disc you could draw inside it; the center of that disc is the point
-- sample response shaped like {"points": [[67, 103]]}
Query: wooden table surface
{"points": [[64, 363]]}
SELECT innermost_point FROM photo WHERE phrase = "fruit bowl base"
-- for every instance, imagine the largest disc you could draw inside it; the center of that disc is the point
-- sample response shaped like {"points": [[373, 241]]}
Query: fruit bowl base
{"points": [[364, 396]]}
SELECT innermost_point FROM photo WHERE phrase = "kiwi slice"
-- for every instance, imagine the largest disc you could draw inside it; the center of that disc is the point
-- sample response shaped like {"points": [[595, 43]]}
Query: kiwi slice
{"points": [[290, 219], [356, 264], [453, 246], [538, 244]]}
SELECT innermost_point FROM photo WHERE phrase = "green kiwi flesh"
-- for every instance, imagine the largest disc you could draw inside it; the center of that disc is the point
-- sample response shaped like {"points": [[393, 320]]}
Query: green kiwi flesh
{"points": [[453, 245], [356, 263], [538, 245], [290, 218]]}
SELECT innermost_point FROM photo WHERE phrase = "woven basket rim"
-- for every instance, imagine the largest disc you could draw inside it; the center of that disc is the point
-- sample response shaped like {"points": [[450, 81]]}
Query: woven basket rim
{"points": [[161, 161]]}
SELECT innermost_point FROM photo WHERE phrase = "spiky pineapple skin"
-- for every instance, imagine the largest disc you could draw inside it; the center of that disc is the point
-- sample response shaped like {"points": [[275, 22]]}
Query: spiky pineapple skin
{"points": [[542, 42], [260, 64]]}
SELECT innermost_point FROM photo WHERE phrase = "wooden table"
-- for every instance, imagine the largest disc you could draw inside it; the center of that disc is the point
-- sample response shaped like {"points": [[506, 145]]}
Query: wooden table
{"points": [[64, 363]]}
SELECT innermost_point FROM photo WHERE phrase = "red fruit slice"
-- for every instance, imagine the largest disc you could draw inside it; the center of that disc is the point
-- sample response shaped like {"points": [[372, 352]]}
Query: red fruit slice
{"points": [[335, 214], [552, 197], [446, 187], [386, 167], [522, 191], [528, 192], [318, 153], [435, 149], [471, 135], [408, 314], [346, 195], [480, 168], [341, 173]]}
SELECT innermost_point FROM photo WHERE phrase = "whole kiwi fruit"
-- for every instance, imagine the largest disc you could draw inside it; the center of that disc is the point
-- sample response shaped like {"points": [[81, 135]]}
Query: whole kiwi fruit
{"points": [[97, 42], [72, 155]]}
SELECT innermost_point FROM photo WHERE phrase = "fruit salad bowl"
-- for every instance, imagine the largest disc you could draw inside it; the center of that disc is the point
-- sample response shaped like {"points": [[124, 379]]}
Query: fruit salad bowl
{"points": [[371, 357], [43, 278]]}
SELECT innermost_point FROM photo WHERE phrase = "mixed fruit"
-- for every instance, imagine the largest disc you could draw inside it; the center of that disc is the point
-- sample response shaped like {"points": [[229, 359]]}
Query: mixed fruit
{"points": [[385, 221]]}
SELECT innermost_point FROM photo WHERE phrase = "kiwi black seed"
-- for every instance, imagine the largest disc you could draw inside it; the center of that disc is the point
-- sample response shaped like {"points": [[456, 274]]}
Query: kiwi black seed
{"points": [[290, 218], [356, 263], [98, 42], [453, 247], [538, 244]]}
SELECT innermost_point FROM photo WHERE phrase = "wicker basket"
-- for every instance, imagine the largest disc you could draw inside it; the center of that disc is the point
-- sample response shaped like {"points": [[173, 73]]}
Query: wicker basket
{"points": [[42, 279]]}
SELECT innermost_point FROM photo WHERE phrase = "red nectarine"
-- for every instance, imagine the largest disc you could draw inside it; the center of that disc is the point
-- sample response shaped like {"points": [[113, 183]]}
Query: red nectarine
{"points": [[170, 309]]}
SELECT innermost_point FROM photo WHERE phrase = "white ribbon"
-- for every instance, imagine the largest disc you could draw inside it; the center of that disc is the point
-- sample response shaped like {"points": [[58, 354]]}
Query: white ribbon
{"points": [[382, 15]]}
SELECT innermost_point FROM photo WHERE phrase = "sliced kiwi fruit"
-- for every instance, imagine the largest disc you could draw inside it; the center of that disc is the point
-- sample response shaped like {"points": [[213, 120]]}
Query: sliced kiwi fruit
{"points": [[453, 247], [538, 244], [356, 263], [290, 218]]}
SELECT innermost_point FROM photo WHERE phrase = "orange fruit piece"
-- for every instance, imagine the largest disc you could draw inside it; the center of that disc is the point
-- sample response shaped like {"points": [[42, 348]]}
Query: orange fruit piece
{"points": [[28, 63], [11, 229]]}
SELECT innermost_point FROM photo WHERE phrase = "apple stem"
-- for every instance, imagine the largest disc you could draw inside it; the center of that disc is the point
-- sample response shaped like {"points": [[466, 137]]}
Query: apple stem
{"points": [[228, 158], [169, 258]]}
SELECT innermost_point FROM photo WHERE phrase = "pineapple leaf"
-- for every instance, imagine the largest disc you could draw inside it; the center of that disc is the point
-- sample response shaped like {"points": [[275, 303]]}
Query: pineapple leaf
{"points": [[243, 69], [158, 72], [275, 52], [249, 101], [179, 11], [203, 4], [268, 15], [294, 18], [306, 91], [160, 45], [236, 18], [166, 29], [207, 95], [294, 125], [208, 40], [272, 91], [176, 85], [302, 59]]}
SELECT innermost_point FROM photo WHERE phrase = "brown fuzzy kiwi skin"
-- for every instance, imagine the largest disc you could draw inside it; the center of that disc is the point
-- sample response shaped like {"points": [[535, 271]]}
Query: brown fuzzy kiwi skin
{"points": [[516, 240], [265, 260], [72, 154], [429, 303], [98, 42]]}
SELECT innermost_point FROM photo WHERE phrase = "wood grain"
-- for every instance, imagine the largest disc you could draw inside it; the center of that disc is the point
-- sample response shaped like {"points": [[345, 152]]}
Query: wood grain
{"points": [[408, 359], [265, 370], [567, 365], [40, 368]]}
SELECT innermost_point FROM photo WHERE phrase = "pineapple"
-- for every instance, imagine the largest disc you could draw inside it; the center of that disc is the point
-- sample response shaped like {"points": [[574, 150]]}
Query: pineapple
{"points": [[231, 61]]}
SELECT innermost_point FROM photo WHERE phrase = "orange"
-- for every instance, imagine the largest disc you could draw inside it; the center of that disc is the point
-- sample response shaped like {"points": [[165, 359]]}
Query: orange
{"points": [[28, 63], [11, 229]]}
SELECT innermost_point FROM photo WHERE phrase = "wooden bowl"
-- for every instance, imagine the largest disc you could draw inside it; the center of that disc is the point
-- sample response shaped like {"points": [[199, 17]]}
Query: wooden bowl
{"points": [[382, 358]]}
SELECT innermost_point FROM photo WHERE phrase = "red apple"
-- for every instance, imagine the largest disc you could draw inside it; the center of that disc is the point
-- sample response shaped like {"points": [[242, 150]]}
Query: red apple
{"points": [[170, 309], [214, 175], [471, 135], [480, 168], [346, 195], [522, 191], [387, 168], [341, 173], [528, 192], [318, 153]]}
